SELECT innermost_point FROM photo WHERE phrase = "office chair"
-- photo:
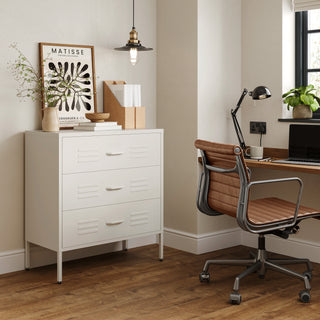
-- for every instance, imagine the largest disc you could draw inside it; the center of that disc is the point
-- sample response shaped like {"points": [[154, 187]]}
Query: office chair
{"points": [[224, 188]]}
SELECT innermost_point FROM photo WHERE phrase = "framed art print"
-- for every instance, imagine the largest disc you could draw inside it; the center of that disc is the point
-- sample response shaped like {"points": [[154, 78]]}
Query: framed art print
{"points": [[68, 78]]}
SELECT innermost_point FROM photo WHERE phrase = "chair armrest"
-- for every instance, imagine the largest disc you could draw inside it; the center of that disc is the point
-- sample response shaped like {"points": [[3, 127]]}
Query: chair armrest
{"points": [[275, 225], [220, 170], [275, 180]]}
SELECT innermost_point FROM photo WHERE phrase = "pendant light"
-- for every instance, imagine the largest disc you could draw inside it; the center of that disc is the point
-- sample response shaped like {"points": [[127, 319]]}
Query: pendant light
{"points": [[133, 45]]}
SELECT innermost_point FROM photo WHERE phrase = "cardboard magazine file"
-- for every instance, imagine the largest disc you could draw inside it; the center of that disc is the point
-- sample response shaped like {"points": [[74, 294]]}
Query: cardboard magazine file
{"points": [[127, 117]]}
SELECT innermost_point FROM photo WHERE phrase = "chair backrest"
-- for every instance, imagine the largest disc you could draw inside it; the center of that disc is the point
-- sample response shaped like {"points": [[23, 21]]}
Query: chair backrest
{"points": [[223, 179]]}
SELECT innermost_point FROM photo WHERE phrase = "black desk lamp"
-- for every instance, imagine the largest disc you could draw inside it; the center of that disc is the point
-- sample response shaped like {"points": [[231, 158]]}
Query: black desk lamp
{"points": [[258, 93]]}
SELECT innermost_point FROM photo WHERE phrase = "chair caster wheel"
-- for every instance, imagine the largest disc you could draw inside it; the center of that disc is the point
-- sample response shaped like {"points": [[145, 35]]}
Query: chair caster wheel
{"points": [[308, 274], [235, 298], [305, 296], [204, 277]]}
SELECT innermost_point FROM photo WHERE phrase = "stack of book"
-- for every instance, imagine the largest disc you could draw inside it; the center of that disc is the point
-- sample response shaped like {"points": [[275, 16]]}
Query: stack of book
{"points": [[98, 126]]}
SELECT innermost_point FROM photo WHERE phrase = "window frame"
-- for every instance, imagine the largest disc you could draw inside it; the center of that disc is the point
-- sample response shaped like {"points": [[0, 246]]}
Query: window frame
{"points": [[301, 52]]}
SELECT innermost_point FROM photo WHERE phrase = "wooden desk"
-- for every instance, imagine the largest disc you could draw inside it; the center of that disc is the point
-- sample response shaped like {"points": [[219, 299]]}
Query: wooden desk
{"points": [[274, 154]]}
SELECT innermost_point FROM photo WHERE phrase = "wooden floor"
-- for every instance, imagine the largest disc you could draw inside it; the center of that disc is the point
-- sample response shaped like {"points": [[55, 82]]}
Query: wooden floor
{"points": [[135, 285]]}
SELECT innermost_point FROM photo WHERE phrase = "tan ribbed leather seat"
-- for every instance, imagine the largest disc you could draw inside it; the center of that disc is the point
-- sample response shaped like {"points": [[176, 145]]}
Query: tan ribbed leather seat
{"points": [[263, 211]]}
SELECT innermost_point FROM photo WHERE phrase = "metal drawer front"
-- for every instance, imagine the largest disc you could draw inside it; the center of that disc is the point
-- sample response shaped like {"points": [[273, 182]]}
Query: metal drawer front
{"points": [[84, 190], [85, 154], [115, 222]]}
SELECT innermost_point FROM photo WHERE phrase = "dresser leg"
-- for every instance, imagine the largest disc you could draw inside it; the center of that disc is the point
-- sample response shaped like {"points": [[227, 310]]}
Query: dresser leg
{"points": [[59, 267], [161, 246], [124, 245], [27, 255]]}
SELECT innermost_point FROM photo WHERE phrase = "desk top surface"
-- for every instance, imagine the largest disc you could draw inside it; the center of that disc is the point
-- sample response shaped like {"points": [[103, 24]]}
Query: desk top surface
{"points": [[274, 154]]}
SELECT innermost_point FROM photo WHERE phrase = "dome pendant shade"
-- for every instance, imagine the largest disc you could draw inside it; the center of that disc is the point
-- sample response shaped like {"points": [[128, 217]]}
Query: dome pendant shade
{"points": [[133, 42]]}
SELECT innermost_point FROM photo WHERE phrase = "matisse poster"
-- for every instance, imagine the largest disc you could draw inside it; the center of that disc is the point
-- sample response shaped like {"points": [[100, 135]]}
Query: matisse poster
{"points": [[68, 77]]}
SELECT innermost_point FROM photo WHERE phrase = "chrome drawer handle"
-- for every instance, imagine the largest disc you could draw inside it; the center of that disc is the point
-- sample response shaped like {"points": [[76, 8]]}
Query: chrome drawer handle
{"points": [[114, 223], [114, 188], [114, 153]]}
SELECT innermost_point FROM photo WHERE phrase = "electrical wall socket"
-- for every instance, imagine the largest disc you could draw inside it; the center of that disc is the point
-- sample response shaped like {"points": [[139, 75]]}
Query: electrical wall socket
{"points": [[258, 127]]}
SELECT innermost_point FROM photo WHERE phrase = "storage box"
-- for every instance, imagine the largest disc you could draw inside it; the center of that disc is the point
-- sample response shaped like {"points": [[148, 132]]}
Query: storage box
{"points": [[128, 95], [128, 117]]}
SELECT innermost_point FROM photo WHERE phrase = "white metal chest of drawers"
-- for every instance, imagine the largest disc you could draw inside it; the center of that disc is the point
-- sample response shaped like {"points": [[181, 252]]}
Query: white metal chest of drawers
{"points": [[90, 188]]}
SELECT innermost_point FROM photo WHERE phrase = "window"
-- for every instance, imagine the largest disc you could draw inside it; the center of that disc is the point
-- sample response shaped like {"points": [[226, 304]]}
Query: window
{"points": [[308, 50]]}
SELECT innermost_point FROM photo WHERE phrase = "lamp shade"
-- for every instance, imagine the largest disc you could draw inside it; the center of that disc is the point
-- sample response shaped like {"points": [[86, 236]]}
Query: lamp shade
{"points": [[127, 47], [133, 43], [260, 93]]}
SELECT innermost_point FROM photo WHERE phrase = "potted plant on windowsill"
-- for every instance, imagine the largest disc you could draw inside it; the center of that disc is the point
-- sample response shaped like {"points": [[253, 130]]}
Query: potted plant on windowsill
{"points": [[302, 100]]}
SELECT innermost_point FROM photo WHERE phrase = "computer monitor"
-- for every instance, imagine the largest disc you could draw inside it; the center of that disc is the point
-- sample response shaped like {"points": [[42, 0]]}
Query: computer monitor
{"points": [[304, 142]]}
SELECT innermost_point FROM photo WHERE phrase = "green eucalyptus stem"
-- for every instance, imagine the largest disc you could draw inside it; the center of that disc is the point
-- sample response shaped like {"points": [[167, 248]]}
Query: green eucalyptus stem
{"points": [[32, 85]]}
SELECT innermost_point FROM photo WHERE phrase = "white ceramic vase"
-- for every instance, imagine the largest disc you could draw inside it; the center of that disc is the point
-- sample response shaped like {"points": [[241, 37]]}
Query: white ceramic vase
{"points": [[50, 120]]}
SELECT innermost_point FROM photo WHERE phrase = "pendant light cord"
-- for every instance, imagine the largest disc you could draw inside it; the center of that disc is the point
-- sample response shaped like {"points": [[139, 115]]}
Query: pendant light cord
{"points": [[133, 14]]}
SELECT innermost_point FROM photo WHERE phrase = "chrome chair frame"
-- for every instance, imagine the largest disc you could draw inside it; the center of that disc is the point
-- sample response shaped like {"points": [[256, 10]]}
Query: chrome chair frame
{"points": [[258, 262]]}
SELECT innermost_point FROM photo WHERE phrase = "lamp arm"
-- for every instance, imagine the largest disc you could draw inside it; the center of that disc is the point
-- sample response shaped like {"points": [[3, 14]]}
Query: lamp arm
{"points": [[244, 93], [235, 121], [238, 131]]}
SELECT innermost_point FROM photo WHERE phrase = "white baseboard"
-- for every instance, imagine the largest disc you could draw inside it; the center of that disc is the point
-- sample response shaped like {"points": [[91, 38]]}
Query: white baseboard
{"points": [[202, 243], [292, 247], [11, 261], [198, 244]]}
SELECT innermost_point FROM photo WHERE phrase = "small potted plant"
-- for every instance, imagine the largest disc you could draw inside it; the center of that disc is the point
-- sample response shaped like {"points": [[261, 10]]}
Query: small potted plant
{"points": [[31, 85], [302, 100]]}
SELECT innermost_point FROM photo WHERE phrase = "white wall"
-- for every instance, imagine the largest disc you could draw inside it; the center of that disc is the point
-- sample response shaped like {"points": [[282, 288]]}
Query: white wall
{"points": [[271, 62], [105, 24], [219, 81], [262, 65], [288, 49], [177, 109], [219, 67], [198, 81]]}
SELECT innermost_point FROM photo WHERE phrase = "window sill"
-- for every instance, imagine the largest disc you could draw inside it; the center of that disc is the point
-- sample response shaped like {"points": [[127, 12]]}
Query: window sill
{"points": [[299, 120]]}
